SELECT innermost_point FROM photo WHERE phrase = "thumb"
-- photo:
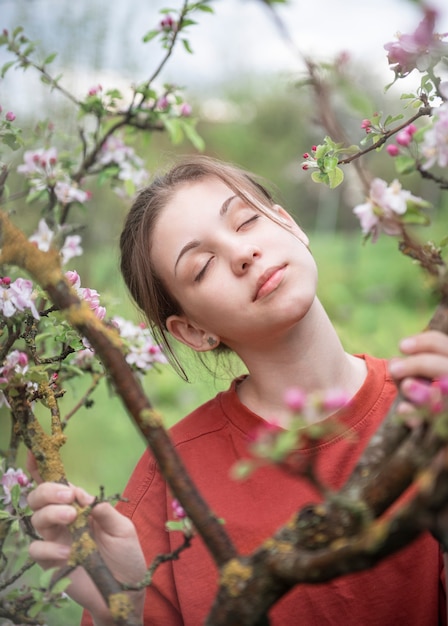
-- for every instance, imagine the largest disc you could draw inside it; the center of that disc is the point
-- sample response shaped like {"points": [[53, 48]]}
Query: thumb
{"points": [[111, 521]]}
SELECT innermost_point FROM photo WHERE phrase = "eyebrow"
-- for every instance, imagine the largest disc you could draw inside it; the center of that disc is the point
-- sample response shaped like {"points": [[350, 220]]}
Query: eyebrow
{"points": [[195, 243]]}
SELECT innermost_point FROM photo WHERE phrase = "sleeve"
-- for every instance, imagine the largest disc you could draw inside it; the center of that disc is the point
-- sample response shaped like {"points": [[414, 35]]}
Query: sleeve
{"points": [[145, 503], [443, 619]]}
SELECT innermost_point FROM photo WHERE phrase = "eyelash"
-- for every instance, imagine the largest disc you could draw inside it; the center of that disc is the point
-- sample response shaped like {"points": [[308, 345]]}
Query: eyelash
{"points": [[201, 274]]}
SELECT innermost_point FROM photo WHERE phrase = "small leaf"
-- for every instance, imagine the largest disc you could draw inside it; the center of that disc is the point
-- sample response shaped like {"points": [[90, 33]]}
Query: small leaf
{"points": [[319, 177], [187, 46], [50, 58], [194, 136], [175, 525], [150, 35], [336, 177], [404, 164], [6, 67]]}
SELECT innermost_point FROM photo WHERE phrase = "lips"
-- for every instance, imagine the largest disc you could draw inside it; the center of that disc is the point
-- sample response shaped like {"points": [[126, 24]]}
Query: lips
{"points": [[269, 281]]}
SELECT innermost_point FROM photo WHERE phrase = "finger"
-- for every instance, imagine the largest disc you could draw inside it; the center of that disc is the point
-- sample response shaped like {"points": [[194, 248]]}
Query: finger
{"points": [[421, 365], [429, 341], [50, 493], [49, 554], [52, 517], [111, 521]]}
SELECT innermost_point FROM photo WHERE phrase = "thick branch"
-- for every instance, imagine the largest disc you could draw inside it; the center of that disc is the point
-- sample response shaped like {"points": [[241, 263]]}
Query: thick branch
{"points": [[45, 268]]}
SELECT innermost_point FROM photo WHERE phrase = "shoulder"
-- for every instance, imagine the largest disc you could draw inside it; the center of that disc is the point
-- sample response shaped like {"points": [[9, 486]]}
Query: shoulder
{"points": [[206, 421]]}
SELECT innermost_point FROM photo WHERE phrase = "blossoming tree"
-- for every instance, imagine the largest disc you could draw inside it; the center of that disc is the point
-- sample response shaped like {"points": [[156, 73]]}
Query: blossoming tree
{"points": [[43, 303]]}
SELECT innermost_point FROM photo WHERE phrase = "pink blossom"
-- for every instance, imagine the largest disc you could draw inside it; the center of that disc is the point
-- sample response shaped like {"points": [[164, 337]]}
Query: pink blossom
{"points": [[16, 362], [71, 248], [435, 143], [129, 164], [393, 150], [142, 352], [403, 138], [90, 296], [334, 399], [419, 393], [295, 399], [10, 479], [384, 207], [367, 125], [178, 509], [420, 50], [185, 109], [38, 162], [443, 385], [94, 91], [168, 23], [67, 193], [163, 103], [83, 358], [10, 116], [18, 296], [43, 236], [73, 278]]}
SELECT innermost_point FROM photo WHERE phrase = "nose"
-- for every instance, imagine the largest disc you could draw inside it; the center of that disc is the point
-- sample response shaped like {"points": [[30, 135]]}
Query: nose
{"points": [[243, 256]]}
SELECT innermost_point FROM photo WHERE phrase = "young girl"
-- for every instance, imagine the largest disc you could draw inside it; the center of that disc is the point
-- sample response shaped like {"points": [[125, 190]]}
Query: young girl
{"points": [[215, 263]]}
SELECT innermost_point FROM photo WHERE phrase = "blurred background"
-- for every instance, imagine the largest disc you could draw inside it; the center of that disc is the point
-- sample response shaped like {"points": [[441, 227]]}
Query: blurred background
{"points": [[247, 86]]}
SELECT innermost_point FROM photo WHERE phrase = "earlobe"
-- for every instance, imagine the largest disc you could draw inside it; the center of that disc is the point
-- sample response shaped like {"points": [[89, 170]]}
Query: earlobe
{"points": [[180, 327]]}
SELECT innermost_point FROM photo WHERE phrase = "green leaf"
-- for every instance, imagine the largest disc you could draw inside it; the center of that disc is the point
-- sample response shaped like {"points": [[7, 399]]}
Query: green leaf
{"points": [[242, 469], [187, 46], [50, 58], [36, 609], [336, 176], [17, 31], [319, 177], [193, 136], [330, 162], [204, 7], [404, 164], [150, 35], [15, 496], [12, 140], [174, 525], [61, 585], [5, 515], [174, 128], [6, 67]]}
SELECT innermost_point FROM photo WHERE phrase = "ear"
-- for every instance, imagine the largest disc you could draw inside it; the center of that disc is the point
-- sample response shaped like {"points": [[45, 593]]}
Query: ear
{"points": [[181, 328], [287, 220]]}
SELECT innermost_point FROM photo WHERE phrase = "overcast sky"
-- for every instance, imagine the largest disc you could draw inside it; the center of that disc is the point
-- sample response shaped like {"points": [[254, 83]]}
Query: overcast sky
{"points": [[240, 39]]}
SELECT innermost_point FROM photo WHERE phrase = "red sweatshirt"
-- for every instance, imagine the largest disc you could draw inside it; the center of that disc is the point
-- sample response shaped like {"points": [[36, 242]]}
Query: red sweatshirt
{"points": [[404, 590]]}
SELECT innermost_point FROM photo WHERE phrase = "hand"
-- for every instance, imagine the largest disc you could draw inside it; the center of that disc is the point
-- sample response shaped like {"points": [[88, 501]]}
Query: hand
{"points": [[426, 360], [114, 534]]}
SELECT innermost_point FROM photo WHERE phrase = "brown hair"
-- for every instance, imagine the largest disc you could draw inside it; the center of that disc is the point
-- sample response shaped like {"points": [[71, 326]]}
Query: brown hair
{"points": [[145, 286]]}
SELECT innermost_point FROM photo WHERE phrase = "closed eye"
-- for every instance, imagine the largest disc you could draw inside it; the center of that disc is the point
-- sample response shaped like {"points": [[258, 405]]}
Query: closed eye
{"points": [[250, 220], [201, 274]]}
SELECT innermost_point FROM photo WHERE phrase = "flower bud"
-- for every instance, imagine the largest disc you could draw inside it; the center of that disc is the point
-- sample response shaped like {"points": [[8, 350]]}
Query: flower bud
{"points": [[403, 138], [393, 150], [185, 109], [295, 399]]}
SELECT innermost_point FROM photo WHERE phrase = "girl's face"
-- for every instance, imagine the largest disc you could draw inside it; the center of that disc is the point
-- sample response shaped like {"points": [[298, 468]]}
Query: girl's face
{"points": [[238, 276]]}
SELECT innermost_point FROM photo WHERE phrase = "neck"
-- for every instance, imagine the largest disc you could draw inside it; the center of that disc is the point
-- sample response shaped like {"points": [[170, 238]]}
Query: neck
{"points": [[309, 356]]}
